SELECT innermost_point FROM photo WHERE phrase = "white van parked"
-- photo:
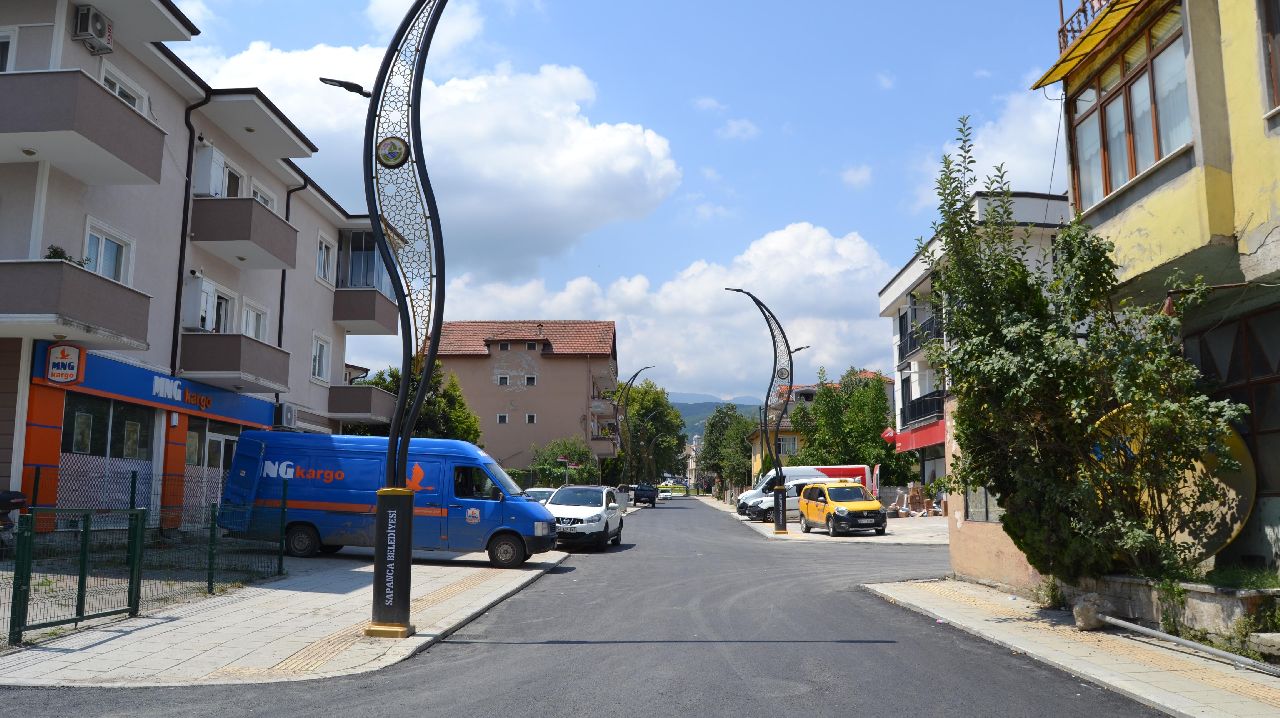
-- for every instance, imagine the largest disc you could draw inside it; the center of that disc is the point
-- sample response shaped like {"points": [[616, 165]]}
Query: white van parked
{"points": [[860, 473]]}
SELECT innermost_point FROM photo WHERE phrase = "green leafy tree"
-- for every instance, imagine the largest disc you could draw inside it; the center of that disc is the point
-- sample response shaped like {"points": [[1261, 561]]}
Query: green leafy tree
{"points": [[726, 448], [547, 470], [1078, 412], [844, 423], [445, 413], [652, 433]]}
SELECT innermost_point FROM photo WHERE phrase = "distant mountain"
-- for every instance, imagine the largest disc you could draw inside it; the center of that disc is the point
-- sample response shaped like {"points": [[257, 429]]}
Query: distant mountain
{"points": [[695, 413], [689, 398]]}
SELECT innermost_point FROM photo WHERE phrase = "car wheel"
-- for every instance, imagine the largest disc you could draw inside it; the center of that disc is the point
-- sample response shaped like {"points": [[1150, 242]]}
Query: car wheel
{"points": [[301, 540], [617, 539], [506, 551], [602, 542], [880, 531], [330, 548], [804, 525], [831, 527]]}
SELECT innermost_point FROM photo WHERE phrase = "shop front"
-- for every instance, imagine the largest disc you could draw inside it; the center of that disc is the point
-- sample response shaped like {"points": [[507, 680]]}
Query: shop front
{"points": [[102, 433]]}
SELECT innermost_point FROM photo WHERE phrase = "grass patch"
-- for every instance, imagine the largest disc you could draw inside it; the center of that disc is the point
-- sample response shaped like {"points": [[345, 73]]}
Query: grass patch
{"points": [[1241, 577]]}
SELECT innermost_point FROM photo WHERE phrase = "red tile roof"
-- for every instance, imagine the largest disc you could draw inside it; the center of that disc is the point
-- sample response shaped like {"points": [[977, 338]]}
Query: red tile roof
{"points": [[566, 336]]}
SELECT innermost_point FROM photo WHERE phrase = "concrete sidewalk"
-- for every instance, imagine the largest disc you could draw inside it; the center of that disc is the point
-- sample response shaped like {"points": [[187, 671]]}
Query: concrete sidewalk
{"points": [[921, 531], [307, 625], [1176, 680]]}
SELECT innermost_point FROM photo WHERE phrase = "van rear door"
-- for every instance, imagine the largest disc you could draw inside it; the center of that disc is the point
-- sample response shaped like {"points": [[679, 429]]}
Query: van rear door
{"points": [[241, 487]]}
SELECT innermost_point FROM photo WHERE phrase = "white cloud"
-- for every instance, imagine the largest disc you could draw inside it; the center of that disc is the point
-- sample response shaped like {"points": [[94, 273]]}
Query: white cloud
{"points": [[710, 174], [196, 10], [981, 73], [707, 211], [885, 80], [1022, 137], [738, 129], [520, 171], [460, 24], [857, 176], [709, 104], [698, 336]]}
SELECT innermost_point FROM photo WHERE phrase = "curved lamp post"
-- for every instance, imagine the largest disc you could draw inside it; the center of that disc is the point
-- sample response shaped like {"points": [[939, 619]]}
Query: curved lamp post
{"points": [[626, 416], [781, 373], [406, 228]]}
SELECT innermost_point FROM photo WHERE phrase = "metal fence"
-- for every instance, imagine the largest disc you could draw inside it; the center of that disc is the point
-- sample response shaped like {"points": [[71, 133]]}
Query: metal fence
{"points": [[73, 564]]}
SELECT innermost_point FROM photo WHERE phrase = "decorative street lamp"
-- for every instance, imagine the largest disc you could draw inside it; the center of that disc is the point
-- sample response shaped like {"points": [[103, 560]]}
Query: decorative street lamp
{"points": [[626, 417], [406, 228], [781, 373]]}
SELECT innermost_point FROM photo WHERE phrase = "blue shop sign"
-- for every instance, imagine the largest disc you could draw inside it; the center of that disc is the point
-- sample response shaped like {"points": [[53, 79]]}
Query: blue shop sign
{"points": [[109, 377]]}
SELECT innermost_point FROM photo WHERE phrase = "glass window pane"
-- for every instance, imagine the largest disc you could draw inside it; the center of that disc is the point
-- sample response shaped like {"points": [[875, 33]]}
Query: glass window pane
{"points": [[1265, 332], [1117, 143], [1266, 409], [233, 183], [1135, 54], [84, 424], [1111, 77], [1166, 26], [1267, 454], [1085, 100], [112, 262], [1144, 137], [131, 429], [1089, 159], [5, 43], [1172, 111]]}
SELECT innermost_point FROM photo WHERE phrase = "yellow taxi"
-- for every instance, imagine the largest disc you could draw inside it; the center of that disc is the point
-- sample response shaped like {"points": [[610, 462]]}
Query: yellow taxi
{"points": [[840, 507]]}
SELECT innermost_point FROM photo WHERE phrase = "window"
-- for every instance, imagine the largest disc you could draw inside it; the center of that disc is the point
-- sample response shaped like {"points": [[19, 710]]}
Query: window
{"points": [[1270, 47], [531, 346], [471, 482], [1133, 113], [253, 321], [265, 198], [234, 180], [531, 380], [530, 418], [215, 308], [105, 427], [121, 86], [503, 380], [363, 264], [504, 346], [786, 445], [324, 260], [106, 254], [502, 418], [980, 505], [8, 48], [321, 351]]}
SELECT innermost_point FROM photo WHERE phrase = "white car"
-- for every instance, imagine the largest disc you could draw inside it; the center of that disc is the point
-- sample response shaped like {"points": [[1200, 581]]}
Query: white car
{"points": [[586, 515], [539, 494], [664, 494]]}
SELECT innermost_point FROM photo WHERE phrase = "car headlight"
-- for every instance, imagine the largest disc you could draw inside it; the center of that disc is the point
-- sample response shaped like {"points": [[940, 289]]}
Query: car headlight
{"points": [[592, 518], [842, 511], [541, 528]]}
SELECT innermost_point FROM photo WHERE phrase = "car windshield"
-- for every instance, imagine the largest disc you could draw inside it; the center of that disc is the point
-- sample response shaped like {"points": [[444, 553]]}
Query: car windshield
{"points": [[539, 494], [509, 486], [846, 493], [577, 496]]}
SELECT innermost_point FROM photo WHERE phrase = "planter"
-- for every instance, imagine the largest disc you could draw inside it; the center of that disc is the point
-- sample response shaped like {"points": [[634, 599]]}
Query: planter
{"points": [[1205, 608]]}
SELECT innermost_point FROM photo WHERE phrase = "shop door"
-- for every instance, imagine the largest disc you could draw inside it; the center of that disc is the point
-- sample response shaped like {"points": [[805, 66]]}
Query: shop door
{"points": [[219, 449]]}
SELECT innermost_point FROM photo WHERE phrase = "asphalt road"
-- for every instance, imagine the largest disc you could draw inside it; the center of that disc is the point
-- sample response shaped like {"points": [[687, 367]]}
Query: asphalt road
{"points": [[692, 615]]}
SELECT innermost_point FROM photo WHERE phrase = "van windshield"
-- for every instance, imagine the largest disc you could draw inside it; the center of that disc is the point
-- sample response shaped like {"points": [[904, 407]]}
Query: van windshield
{"points": [[509, 486], [577, 496]]}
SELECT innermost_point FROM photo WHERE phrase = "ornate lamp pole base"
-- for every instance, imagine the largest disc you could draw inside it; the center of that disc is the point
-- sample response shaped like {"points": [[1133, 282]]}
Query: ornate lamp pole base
{"points": [[392, 565], [779, 509]]}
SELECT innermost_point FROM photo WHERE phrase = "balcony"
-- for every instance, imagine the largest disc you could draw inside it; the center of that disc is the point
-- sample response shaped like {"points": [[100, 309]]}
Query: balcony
{"points": [[922, 410], [234, 361], [604, 447], [66, 118], [927, 331], [361, 404], [603, 407], [365, 310], [53, 299], [244, 233], [1077, 22]]}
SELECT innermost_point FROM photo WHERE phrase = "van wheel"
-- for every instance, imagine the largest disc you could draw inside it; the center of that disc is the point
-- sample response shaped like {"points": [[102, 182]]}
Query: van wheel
{"points": [[301, 540], [506, 551], [327, 548], [831, 527], [804, 525]]}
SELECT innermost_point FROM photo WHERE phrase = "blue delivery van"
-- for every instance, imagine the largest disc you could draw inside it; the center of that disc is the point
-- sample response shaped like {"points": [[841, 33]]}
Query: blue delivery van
{"points": [[463, 500]]}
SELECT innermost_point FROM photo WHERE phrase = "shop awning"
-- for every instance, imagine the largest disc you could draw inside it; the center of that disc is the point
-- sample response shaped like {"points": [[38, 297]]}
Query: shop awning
{"points": [[1086, 42]]}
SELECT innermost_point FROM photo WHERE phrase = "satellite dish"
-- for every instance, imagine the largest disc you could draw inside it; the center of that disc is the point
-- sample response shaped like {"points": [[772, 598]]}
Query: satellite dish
{"points": [[1121, 448]]}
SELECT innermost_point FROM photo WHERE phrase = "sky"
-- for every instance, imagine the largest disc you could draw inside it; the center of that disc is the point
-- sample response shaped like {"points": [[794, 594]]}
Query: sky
{"points": [[595, 159]]}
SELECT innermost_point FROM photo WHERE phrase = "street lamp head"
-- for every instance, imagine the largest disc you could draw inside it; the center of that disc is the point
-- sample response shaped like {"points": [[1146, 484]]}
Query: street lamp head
{"points": [[348, 86], [797, 350]]}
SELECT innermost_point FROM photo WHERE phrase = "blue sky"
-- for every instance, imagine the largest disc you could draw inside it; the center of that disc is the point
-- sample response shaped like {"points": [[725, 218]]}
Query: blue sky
{"points": [[628, 160]]}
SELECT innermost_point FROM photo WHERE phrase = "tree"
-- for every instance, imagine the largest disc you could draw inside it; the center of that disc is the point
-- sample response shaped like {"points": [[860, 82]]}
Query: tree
{"points": [[726, 448], [844, 423], [547, 470], [445, 413], [1076, 411], [652, 433]]}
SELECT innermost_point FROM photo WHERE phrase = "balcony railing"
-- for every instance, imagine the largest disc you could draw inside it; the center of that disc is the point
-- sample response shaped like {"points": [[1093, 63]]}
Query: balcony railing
{"points": [[922, 409], [1076, 23], [910, 343]]}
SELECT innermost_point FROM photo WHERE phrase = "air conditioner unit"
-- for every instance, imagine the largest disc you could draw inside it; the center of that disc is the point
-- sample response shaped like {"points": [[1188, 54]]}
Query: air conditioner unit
{"points": [[208, 172], [94, 29], [286, 415]]}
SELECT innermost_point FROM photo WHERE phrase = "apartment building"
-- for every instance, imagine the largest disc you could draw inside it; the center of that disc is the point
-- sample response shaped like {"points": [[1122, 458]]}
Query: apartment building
{"points": [[168, 275], [532, 382], [1173, 117]]}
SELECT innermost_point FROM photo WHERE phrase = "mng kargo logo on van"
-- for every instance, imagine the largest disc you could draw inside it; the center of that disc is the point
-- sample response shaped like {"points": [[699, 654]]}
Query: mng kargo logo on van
{"points": [[291, 470]]}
